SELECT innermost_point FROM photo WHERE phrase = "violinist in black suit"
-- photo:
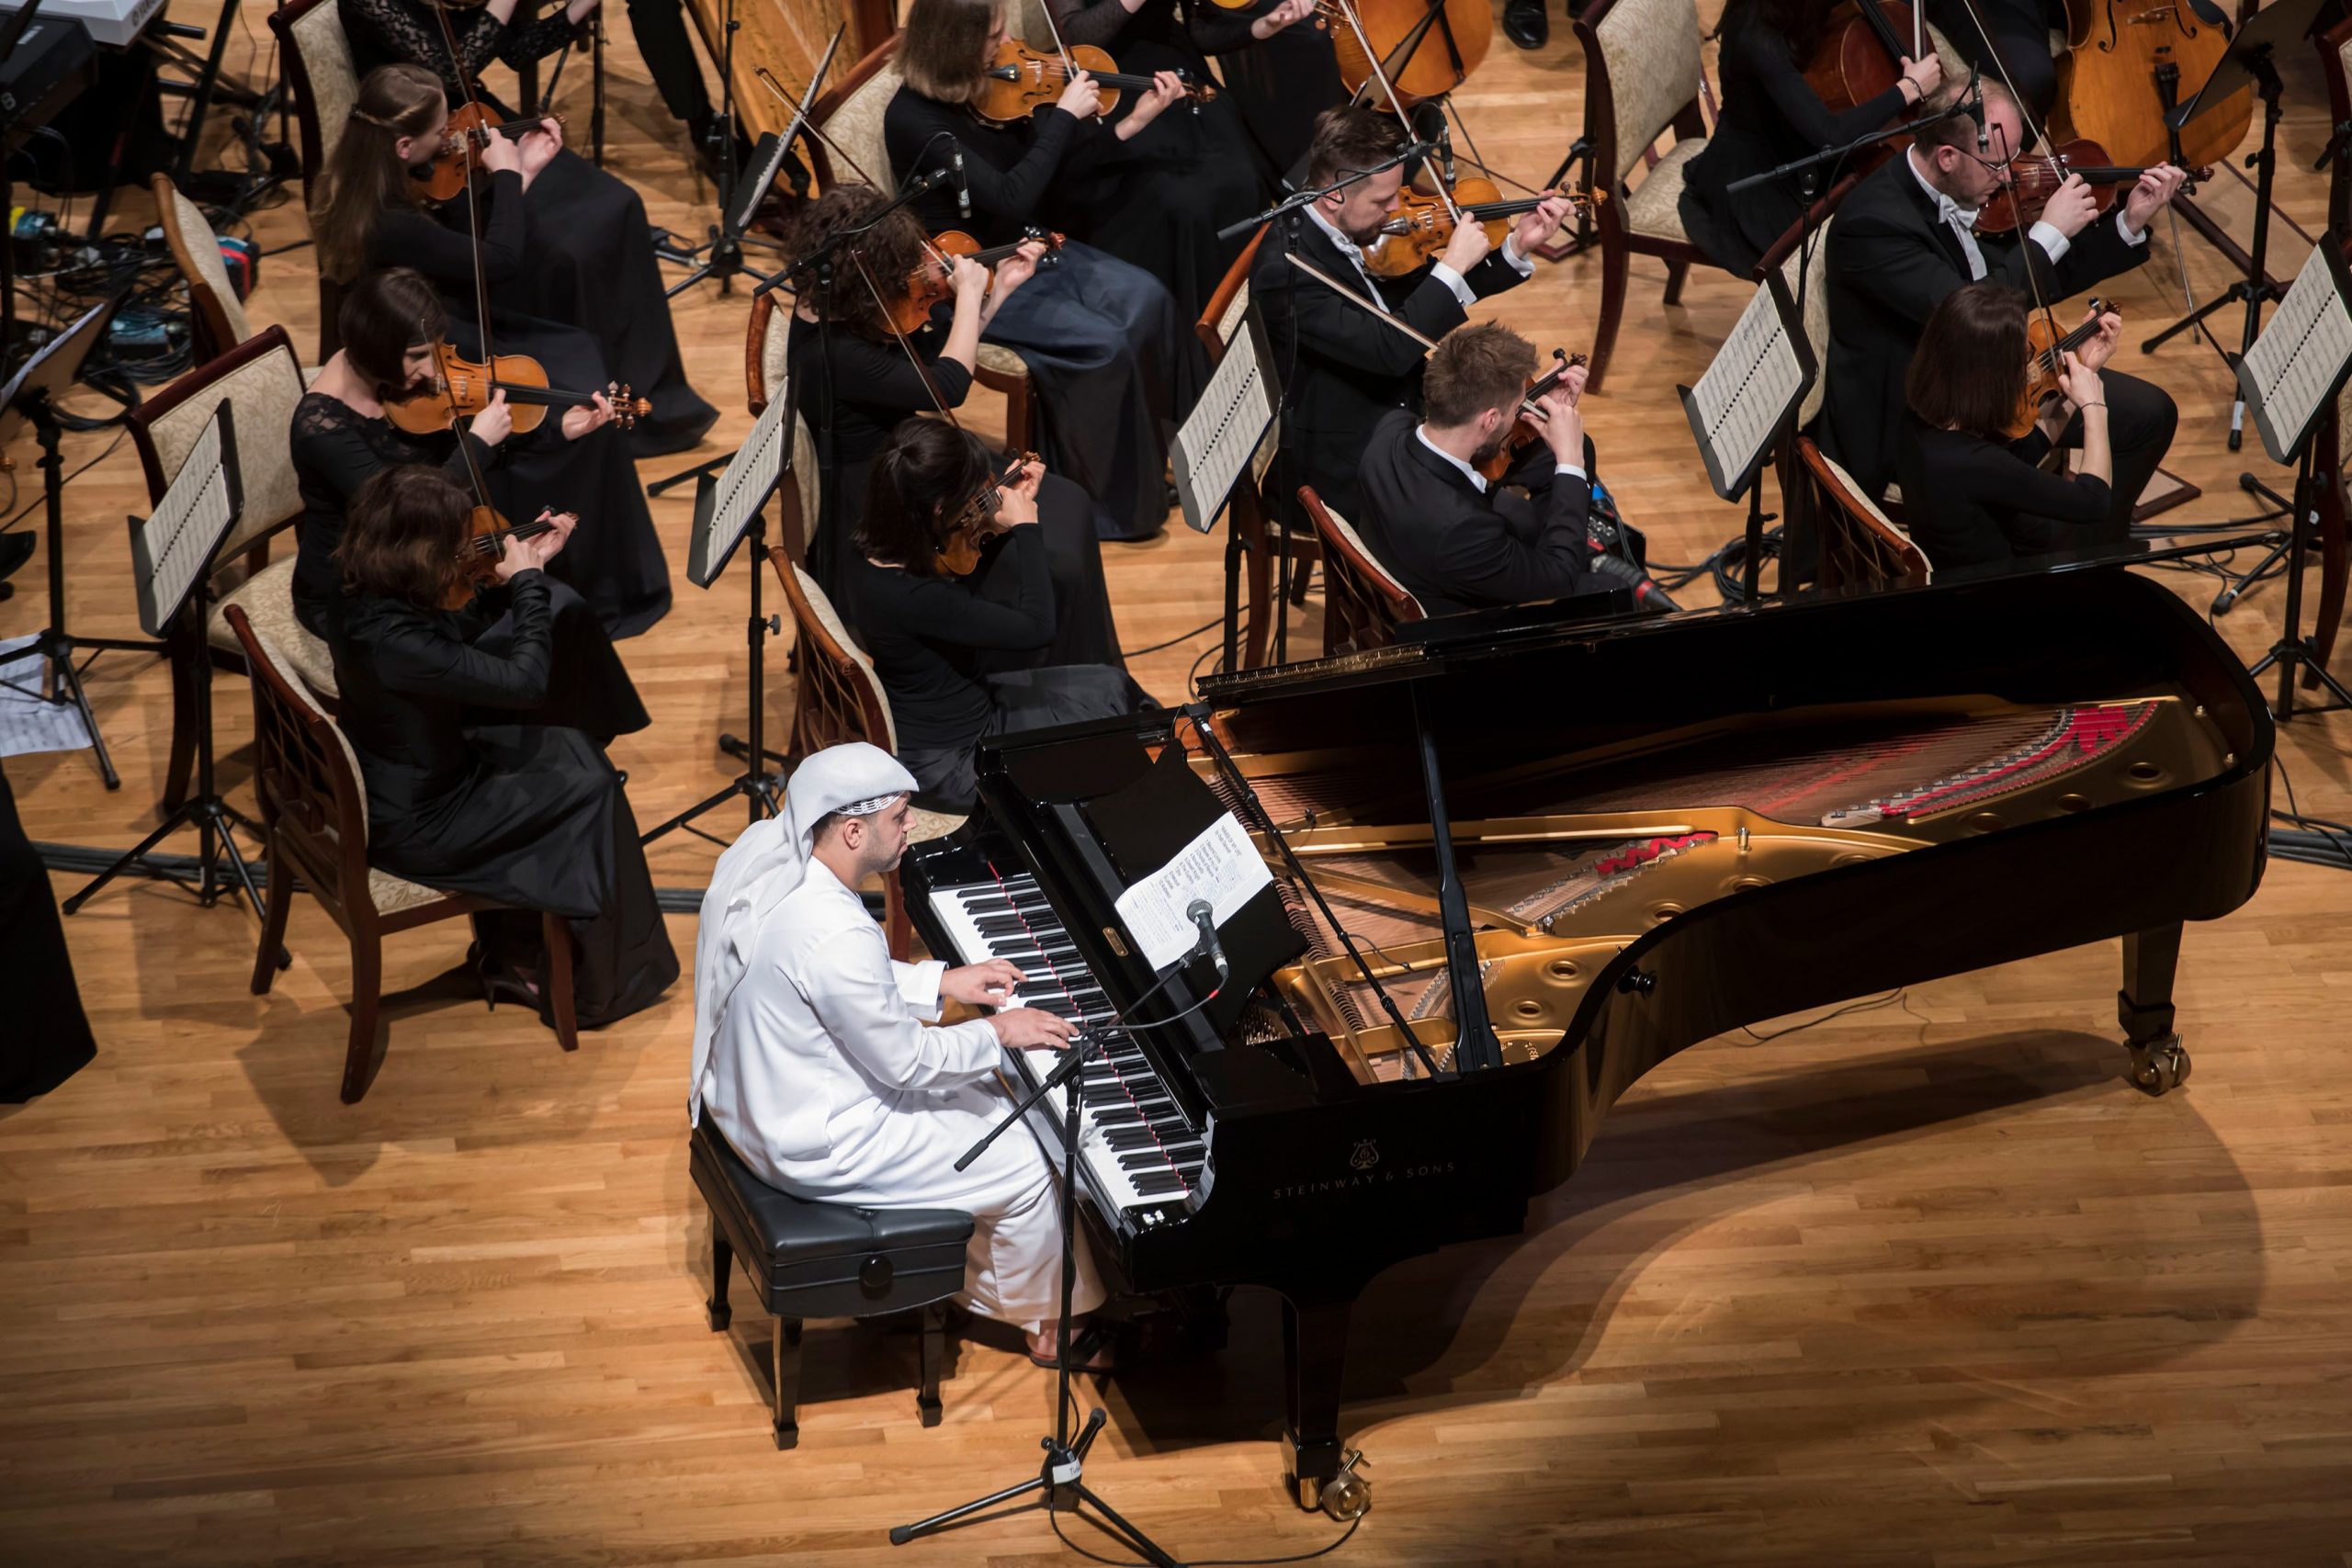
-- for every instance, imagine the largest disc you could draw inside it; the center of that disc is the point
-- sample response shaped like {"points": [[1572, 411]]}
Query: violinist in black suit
{"points": [[1456, 539], [1903, 240], [1341, 366]]}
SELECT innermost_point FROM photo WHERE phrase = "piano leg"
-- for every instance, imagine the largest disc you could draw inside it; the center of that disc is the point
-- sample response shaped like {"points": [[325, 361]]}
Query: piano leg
{"points": [[1315, 1357], [2144, 1008]]}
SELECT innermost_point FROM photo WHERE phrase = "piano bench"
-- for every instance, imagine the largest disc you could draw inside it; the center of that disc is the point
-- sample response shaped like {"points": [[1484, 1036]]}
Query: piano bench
{"points": [[809, 1260]]}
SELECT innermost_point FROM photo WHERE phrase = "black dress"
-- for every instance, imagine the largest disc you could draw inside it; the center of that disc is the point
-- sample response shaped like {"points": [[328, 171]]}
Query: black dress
{"points": [[590, 249], [1158, 201], [1115, 364], [1280, 84], [937, 644], [615, 557], [853, 393], [46, 1039], [335, 451], [1971, 502], [530, 815], [2019, 40], [1770, 116]]}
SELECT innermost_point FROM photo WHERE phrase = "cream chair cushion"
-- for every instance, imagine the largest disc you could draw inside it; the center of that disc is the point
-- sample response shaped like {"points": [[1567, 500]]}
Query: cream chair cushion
{"points": [[267, 599], [263, 392], [1001, 360], [827, 618], [205, 266], [1816, 294], [1655, 209], [810, 480], [1347, 532], [327, 59], [1652, 51], [855, 127]]}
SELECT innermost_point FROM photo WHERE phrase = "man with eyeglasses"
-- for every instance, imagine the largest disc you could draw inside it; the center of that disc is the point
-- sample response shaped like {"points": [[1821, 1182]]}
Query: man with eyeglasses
{"points": [[1904, 238]]}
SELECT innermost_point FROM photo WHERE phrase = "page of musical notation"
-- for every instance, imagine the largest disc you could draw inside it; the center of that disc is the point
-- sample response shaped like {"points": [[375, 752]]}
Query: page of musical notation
{"points": [[2294, 366], [1755, 376], [177, 540], [1222, 434], [742, 488]]}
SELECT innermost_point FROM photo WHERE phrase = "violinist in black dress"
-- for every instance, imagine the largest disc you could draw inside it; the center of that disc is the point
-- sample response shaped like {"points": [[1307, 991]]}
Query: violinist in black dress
{"points": [[590, 249], [1289, 78], [955, 664], [464, 792], [391, 324], [1115, 365], [47, 1037], [1771, 116], [855, 381]]}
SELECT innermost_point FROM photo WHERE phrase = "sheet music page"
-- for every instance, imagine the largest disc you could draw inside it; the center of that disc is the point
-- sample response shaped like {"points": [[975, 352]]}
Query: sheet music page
{"points": [[1221, 865], [187, 525], [1738, 403], [27, 723], [2293, 364], [742, 488], [1222, 432]]}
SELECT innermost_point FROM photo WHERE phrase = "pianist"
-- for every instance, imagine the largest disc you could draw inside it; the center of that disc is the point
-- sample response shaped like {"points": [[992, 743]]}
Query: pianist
{"points": [[810, 1058]]}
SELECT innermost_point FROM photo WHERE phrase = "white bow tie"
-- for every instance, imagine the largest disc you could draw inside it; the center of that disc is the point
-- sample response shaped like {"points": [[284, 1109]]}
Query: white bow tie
{"points": [[1953, 212]]}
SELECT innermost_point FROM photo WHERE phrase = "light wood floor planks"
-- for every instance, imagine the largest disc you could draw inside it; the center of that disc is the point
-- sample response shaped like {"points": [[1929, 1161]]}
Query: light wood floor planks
{"points": [[1927, 1284]]}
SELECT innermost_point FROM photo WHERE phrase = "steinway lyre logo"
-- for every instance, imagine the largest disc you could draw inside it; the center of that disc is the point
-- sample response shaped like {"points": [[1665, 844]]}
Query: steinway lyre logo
{"points": [[1366, 1155]]}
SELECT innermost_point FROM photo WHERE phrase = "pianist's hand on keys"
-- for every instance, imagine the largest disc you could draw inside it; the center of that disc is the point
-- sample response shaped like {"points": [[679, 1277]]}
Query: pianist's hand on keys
{"points": [[987, 985]]}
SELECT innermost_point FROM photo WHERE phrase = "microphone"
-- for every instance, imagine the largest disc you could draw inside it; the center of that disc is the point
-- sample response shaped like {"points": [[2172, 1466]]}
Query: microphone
{"points": [[1625, 574], [1977, 109], [963, 185], [1200, 915]]}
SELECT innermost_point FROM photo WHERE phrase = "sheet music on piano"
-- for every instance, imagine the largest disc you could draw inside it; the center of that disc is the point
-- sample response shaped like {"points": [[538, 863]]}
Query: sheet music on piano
{"points": [[724, 507], [172, 548], [2296, 366], [1227, 426], [1762, 371]]}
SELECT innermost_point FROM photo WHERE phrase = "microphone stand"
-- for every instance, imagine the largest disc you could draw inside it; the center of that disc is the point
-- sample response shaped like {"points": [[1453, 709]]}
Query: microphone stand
{"points": [[1297, 199], [930, 180]]}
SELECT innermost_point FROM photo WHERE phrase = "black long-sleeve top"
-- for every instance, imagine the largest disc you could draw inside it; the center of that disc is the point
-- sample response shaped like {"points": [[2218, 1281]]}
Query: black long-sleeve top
{"points": [[439, 243], [867, 390], [1205, 28], [1010, 167], [409, 677], [336, 449], [1770, 116], [385, 32], [1971, 502], [923, 632]]}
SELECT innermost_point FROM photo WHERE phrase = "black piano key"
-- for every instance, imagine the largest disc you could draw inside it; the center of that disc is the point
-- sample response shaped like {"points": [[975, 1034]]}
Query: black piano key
{"points": [[1157, 1183]]}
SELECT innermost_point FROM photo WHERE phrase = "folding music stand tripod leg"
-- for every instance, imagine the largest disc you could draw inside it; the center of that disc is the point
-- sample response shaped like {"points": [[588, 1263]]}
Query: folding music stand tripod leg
{"points": [[2294, 653]]}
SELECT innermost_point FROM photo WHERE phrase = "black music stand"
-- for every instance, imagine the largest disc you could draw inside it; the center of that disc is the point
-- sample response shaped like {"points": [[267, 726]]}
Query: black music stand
{"points": [[1746, 403], [727, 512], [2251, 57], [1216, 448], [172, 551], [30, 397], [740, 199]]}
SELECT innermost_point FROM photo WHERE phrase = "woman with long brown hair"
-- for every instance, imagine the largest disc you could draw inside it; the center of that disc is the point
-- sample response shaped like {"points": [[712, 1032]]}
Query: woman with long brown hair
{"points": [[855, 385], [1114, 361], [564, 249], [1972, 496], [464, 792]]}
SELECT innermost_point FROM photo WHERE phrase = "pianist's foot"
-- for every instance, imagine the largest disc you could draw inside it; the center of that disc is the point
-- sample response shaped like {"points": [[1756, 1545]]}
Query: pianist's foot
{"points": [[1089, 1351]]}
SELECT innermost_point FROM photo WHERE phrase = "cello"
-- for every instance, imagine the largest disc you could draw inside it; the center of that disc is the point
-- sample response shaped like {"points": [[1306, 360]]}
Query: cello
{"points": [[2127, 63]]}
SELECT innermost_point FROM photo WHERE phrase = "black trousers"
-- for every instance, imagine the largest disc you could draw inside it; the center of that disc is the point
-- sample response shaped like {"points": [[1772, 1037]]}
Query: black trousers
{"points": [[661, 28], [2141, 418]]}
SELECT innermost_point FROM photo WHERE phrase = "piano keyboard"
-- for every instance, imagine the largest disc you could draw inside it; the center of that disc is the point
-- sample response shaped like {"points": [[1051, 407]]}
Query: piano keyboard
{"points": [[1134, 1139]]}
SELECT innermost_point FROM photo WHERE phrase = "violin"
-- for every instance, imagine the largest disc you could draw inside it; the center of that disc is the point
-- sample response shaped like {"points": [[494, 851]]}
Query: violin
{"points": [[2034, 180], [1527, 429], [485, 541], [1420, 226], [1020, 79], [958, 554], [2050, 349], [469, 132], [932, 282], [463, 387]]}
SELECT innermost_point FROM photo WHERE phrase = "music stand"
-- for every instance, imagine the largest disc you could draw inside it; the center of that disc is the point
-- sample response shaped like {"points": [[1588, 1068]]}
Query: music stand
{"points": [[1215, 446], [739, 200], [30, 397], [172, 553], [727, 512], [2251, 59], [2289, 378], [1746, 401]]}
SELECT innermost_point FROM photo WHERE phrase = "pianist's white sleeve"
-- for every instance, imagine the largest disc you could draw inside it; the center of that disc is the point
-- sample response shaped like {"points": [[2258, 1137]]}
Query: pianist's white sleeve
{"points": [[919, 985], [863, 1000]]}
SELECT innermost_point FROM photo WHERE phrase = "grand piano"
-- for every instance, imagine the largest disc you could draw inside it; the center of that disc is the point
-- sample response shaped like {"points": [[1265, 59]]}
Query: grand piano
{"points": [[1519, 863]]}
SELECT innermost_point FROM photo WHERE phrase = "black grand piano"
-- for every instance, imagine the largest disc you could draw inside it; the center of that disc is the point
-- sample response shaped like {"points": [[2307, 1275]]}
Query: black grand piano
{"points": [[1517, 864]]}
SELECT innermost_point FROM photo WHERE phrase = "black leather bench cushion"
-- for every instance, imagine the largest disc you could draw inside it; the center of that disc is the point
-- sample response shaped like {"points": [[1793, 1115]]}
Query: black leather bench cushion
{"points": [[826, 1259]]}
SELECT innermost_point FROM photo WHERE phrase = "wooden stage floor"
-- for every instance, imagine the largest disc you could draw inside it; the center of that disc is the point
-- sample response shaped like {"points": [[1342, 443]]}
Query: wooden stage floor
{"points": [[1928, 1284]]}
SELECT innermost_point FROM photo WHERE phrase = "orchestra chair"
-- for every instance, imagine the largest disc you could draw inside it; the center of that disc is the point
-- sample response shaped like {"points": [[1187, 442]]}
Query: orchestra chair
{"points": [[317, 53], [1861, 548], [807, 1260], [1221, 318], [1643, 76], [763, 355], [216, 317], [263, 380], [314, 817], [837, 697], [1363, 605], [850, 115]]}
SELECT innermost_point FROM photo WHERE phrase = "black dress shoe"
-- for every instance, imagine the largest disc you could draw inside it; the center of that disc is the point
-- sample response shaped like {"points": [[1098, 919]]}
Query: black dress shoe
{"points": [[16, 549], [1527, 23]]}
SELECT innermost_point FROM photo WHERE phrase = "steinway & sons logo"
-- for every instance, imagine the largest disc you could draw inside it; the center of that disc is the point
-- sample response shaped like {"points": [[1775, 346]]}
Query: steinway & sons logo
{"points": [[1365, 1170]]}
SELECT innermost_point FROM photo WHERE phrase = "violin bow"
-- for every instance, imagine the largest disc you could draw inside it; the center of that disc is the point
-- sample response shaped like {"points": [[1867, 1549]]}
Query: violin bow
{"points": [[1358, 301], [1395, 104], [481, 282], [1045, 9], [923, 371]]}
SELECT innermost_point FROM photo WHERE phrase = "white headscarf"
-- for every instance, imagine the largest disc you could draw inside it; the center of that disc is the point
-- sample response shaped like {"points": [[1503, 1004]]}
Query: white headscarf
{"points": [[764, 865]]}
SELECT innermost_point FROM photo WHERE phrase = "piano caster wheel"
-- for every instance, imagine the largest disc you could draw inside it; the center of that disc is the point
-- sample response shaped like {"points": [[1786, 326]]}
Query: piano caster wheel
{"points": [[1347, 1495], [2159, 1065]]}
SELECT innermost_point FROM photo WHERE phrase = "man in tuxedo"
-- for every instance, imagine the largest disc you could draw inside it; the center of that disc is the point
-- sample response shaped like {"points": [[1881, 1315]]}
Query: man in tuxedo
{"points": [[1434, 522], [1903, 241], [1342, 365]]}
